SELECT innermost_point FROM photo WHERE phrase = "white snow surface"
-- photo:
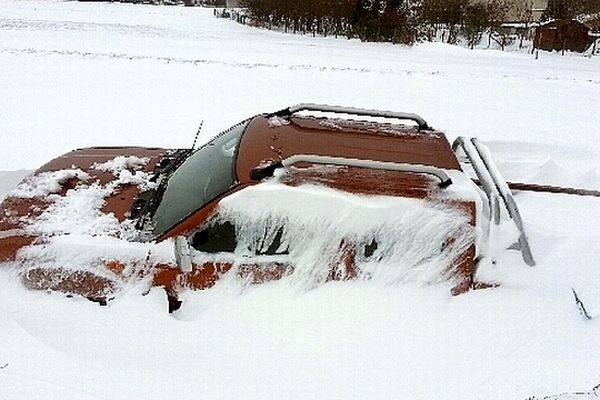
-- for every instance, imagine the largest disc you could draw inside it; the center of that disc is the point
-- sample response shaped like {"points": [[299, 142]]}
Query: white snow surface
{"points": [[409, 233], [47, 183], [10, 179], [83, 74]]}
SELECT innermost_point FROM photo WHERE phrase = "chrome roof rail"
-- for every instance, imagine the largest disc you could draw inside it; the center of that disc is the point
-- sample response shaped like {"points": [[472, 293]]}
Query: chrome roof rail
{"points": [[496, 189], [286, 112], [445, 180]]}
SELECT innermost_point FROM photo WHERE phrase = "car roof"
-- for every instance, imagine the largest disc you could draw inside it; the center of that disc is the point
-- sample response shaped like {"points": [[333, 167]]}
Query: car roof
{"points": [[273, 138]]}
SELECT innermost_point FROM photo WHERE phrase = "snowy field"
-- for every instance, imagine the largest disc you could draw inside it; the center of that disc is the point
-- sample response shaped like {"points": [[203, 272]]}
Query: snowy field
{"points": [[82, 74]]}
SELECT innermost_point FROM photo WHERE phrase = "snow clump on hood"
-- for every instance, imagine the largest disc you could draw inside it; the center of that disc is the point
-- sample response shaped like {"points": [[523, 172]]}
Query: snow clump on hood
{"points": [[47, 183], [121, 163]]}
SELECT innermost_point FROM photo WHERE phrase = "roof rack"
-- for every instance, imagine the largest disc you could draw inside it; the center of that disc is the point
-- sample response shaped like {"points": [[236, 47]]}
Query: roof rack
{"points": [[445, 180], [287, 112], [496, 189]]}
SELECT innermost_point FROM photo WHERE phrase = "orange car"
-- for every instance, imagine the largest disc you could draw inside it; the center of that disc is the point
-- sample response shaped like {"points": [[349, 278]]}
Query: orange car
{"points": [[312, 193]]}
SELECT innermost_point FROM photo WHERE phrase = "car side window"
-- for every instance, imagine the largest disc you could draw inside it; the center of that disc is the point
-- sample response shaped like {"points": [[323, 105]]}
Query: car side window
{"points": [[220, 237], [216, 238], [367, 251], [275, 247]]}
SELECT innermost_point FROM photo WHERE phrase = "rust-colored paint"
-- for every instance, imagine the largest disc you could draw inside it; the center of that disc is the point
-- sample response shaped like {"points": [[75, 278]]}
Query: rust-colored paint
{"points": [[86, 158], [344, 266], [14, 214], [307, 135], [260, 273], [201, 277], [205, 276], [463, 270], [121, 201], [9, 246], [76, 282], [366, 181], [115, 266]]}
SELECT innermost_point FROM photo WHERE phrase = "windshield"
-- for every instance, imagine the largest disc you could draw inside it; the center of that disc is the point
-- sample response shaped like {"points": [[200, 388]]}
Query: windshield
{"points": [[206, 174]]}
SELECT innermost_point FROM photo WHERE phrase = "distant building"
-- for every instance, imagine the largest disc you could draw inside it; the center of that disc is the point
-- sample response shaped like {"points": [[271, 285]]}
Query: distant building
{"points": [[538, 7], [221, 3], [524, 10], [214, 3], [561, 35], [527, 10]]}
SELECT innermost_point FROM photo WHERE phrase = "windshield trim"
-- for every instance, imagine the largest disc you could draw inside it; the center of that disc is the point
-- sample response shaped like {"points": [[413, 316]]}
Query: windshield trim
{"points": [[165, 233]]}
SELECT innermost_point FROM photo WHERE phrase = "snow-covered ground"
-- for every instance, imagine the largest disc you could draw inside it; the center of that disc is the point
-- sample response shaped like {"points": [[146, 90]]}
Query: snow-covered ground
{"points": [[83, 74]]}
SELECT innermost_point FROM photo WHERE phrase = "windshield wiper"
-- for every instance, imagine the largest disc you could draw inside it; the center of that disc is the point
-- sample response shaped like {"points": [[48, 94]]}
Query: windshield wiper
{"points": [[145, 205]]}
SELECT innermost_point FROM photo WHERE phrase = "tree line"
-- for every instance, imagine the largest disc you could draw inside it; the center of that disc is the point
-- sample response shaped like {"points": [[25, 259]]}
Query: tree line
{"points": [[569, 9], [402, 21]]}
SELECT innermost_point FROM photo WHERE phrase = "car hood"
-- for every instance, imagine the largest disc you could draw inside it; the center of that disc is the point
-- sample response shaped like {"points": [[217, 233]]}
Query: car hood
{"points": [[82, 191]]}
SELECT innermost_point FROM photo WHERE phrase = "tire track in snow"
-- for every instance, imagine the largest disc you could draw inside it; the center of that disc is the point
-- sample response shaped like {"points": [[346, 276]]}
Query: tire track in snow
{"points": [[248, 65], [198, 61], [75, 26]]}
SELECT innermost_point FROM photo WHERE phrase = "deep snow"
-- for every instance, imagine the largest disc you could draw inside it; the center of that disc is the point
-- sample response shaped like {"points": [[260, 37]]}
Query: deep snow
{"points": [[82, 74]]}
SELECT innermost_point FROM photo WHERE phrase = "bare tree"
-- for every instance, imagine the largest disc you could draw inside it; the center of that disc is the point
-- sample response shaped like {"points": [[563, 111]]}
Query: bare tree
{"points": [[563, 9], [498, 13], [524, 13], [476, 20], [397, 21]]}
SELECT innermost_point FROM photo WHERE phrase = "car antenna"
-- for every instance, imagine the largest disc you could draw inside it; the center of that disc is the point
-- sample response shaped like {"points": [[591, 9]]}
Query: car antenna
{"points": [[197, 134]]}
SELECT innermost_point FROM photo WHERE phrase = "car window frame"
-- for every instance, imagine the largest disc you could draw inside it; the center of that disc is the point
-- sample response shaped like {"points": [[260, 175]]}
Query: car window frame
{"points": [[172, 230]]}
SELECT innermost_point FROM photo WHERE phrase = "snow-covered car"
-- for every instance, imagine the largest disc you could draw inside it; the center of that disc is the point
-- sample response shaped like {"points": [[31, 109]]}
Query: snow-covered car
{"points": [[310, 193]]}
